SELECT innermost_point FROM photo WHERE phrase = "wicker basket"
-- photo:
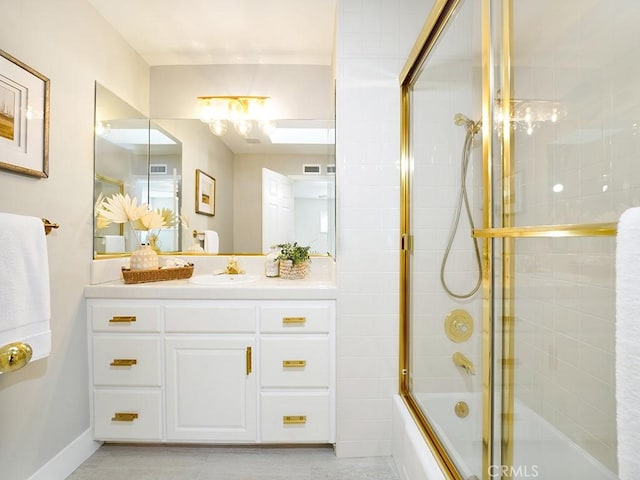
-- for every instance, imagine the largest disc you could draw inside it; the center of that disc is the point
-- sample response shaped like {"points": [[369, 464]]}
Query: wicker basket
{"points": [[289, 271], [157, 275]]}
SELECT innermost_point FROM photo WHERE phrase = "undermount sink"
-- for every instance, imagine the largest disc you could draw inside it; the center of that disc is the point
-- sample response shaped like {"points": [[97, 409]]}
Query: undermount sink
{"points": [[224, 279]]}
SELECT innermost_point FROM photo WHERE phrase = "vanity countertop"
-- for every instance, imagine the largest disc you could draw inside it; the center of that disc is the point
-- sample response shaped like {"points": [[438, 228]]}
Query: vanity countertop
{"points": [[318, 285], [262, 289]]}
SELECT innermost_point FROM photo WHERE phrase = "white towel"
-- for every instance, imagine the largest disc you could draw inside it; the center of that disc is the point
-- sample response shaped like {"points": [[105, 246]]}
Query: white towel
{"points": [[628, 344], [211, 241], [25, 307]]}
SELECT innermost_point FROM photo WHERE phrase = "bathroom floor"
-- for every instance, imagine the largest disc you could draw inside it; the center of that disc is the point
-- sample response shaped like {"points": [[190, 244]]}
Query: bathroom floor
{"points": [[140, 462]]}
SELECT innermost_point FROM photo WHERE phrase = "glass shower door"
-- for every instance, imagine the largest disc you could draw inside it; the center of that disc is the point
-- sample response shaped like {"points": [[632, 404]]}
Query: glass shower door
{"points": [[444, 303]]}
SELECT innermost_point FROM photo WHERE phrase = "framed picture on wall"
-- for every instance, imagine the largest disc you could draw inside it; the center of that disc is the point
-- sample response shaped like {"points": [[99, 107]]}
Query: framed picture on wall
{"points": [[24, 118], [205, 193]]}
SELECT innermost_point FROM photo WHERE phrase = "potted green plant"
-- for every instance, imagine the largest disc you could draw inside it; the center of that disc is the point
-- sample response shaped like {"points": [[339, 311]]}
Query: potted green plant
{"points": [[294, 260]]}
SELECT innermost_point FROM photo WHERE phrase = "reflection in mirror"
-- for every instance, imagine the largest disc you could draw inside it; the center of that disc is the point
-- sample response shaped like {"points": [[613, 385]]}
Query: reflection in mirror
{"points": [[147, 159], [136, 157], [298, 208]]}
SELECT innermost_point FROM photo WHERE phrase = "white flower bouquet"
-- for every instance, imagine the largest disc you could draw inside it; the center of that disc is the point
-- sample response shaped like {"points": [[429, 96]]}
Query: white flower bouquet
{"points": [[120, 208]]}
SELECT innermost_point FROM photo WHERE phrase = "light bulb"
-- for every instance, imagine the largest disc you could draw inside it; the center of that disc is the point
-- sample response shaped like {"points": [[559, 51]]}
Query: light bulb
{"points": [[206, 111], [218, 127], [243, 127]]}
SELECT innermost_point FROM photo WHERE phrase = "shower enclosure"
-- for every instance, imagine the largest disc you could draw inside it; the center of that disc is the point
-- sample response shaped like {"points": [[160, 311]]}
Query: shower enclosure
{"points": [[528, 112]]}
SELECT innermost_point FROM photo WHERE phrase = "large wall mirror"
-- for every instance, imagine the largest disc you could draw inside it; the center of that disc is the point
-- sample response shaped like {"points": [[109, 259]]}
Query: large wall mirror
{"points": [[134, 156], [155, 160]]}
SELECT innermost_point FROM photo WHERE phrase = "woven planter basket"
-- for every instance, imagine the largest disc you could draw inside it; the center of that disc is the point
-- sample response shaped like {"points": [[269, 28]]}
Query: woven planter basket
{"points": [[289, 271]]}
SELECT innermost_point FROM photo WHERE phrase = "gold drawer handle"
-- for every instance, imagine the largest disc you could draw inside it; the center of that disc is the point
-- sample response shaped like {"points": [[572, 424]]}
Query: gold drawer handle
{"points": [[294, 363], [294, 419], [294, 320], [123, 319], [123, 362], [248, 359], [124, 417]]}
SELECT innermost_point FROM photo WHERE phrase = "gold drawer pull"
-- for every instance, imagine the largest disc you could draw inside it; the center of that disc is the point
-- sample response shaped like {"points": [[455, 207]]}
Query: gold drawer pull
{"points": [[124, 417], [293, 320], [294, 419], [248, 359], [294, 363], [123, 362], [123, 319]]}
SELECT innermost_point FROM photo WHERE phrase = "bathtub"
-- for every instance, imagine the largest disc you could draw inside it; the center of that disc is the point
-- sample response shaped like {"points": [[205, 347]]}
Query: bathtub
{"points": [[541, 451]]}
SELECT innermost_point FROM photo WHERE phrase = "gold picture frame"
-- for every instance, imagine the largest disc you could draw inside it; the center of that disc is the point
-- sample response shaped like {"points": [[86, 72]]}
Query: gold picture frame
{"points": [[24, 118], [205, 193]]}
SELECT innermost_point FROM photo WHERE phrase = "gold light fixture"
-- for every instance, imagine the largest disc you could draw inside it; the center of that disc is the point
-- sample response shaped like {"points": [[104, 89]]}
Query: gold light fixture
{"points": [[527, 115], [241, 112]]}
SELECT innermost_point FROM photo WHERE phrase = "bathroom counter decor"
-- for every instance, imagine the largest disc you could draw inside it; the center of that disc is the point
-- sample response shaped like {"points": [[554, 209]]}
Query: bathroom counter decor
{"points": [[294, 261], [157, 274], [318, 284]]}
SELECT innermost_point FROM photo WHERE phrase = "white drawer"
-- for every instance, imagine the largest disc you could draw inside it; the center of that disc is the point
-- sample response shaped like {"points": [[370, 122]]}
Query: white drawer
{"points": [[295, 318], [294, 362], [296, 418], [126, 360], [114, 411], [210, 319], [125, 317]]}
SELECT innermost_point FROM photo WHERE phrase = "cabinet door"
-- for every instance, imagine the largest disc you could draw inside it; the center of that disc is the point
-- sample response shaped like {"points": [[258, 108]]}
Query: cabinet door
{"points": [[211, 388]]}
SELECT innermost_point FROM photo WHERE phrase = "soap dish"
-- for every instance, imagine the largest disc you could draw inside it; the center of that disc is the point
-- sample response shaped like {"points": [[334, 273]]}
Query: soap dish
{"points": [[157, 274]]}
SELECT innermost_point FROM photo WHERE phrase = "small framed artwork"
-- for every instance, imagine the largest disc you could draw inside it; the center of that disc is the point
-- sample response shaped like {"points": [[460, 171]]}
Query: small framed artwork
{"points": [[24, 118], [205, 193]]}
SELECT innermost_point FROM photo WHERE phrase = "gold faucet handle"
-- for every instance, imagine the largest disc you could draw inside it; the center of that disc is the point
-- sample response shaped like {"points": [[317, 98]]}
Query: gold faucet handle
{"points": [[462, 361]]}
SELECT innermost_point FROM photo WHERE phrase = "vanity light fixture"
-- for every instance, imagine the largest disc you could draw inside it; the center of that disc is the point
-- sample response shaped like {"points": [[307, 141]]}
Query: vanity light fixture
{"points": [[527, 115], [241, 112]]}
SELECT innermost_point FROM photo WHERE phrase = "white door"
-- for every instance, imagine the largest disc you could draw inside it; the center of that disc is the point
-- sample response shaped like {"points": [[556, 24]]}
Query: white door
{"points": [[277, 209], [211, 389]]}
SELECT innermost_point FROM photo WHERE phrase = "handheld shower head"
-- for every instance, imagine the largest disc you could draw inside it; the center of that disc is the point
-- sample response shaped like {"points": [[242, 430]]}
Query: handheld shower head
{"points": [[461, 120]]}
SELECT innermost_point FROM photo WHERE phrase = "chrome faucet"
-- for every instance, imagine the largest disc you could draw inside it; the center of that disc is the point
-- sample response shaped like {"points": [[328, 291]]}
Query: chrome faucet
{"points": [[462, 361]]}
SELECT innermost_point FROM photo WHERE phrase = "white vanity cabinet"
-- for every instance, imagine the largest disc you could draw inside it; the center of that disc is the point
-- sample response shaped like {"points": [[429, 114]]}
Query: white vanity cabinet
{"points": [[296, 365], [210, 379], [213, 371], [125, 352]]}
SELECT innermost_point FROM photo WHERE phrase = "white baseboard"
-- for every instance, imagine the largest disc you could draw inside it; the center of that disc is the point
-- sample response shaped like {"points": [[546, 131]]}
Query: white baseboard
{"points": [[68, 459]]}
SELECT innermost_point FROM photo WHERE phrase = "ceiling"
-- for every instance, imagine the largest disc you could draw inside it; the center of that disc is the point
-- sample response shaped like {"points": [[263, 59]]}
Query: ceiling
{"points": [[202, 32], [205, 32]]}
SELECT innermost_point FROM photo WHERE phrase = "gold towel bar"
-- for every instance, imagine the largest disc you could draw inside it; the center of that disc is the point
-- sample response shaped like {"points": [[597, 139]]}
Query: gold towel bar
{"points": [[48, 226]]}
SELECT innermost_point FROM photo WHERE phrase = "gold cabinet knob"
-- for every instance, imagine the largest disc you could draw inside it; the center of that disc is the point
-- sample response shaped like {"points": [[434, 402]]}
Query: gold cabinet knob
{"points": [[14, 356]]}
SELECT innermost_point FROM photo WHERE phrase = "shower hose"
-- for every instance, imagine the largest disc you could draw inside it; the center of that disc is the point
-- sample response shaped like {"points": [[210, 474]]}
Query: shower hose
{"points": [[471, 128]]}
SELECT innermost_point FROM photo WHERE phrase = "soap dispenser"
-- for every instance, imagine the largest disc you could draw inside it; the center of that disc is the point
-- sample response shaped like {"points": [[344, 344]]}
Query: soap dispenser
{"points": [[271, 262]]}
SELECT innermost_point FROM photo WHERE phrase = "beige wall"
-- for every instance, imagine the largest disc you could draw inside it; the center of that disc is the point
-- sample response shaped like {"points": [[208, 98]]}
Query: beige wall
{"points": [[204, 151], [45, 406]]}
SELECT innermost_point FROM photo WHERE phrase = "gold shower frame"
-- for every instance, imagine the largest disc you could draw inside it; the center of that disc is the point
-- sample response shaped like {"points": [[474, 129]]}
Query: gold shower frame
{"points": [[435, 24]]}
